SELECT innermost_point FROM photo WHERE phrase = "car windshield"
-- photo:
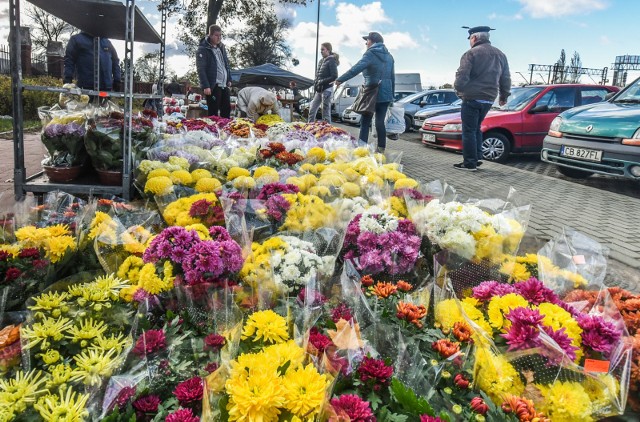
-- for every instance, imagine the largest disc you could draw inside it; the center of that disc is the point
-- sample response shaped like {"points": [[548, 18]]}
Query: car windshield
{"points": [[519, 98], [410, 98], [631, 94]]}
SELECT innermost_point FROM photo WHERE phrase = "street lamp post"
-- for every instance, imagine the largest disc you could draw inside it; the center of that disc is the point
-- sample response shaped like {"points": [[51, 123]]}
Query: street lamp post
{"points": [[317, 34]]}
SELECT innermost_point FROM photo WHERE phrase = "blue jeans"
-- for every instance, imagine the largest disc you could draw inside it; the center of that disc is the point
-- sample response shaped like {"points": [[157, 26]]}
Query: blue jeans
{"points": [[365, 124], [472, 113]]}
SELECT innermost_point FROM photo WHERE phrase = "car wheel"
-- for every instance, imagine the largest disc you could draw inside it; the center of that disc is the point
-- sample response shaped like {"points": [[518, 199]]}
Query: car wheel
{"points": [[408, 122], [495, 147], [573, 173]]}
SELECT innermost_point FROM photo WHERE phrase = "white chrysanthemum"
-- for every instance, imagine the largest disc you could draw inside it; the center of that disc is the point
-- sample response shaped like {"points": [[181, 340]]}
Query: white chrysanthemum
{"points": [[459, 241]]}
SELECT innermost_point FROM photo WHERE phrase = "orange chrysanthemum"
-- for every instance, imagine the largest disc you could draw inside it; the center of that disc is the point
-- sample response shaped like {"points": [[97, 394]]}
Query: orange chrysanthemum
{"points": [[446, 347], [462, 331], [523, 409], [404, 286], [384, 290], [367, 281], [411, 313]]}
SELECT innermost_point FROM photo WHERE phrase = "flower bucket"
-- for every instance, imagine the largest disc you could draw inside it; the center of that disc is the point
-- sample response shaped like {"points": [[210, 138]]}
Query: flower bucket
{"points": [[62, 174], [110, 177]]}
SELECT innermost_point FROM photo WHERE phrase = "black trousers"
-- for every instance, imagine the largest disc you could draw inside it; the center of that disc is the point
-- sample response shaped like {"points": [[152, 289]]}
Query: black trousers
{"points": [[219, 102]]}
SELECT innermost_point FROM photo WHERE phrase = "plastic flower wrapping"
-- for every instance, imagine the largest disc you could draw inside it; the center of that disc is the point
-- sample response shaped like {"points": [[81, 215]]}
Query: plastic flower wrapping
{"points": [[570, 359], [63, 137]]}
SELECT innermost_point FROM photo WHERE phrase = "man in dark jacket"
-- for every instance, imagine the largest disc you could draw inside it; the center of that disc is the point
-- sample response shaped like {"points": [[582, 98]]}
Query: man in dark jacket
{"points": [[214, 73], [78, 62], [483, 73], [378, 68], [326, 74]]}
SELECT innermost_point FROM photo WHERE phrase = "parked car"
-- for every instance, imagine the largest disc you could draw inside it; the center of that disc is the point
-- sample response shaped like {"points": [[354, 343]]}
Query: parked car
{"points": [[398, 95], [436, 110], [601, 138], [518, 126], [415, 102]]}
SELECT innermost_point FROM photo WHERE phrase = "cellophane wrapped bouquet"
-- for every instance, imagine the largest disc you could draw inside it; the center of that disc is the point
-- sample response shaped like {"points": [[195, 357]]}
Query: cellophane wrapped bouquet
{"points": [[570, 361]]}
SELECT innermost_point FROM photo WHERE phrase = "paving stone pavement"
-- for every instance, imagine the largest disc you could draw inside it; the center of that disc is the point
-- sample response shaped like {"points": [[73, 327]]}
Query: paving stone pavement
{"points": [[610, 218]]}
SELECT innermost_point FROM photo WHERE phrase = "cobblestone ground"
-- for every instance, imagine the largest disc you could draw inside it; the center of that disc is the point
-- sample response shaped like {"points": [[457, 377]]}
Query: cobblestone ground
{"points": [[610, 217]]}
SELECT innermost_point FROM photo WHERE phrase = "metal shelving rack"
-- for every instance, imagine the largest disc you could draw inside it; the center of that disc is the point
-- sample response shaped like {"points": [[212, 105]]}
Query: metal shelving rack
{"points": [[103, 19]]}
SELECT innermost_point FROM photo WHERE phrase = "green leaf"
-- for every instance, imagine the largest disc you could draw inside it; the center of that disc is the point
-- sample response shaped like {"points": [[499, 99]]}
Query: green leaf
{"points": [[374, 400], [283, 369], [408, 400]]}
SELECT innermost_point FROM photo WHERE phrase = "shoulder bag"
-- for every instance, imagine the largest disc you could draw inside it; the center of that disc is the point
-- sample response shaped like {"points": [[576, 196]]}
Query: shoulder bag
{"points": [[365, 102]]}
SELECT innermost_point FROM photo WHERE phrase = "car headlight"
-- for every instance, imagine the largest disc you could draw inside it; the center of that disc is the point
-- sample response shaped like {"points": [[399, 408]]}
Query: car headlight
{"points": [[451, 127], [634, 140], [554, 128]]}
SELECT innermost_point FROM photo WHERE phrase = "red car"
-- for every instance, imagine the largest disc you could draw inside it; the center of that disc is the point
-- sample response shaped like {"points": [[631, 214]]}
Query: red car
{"points": [[518, 126]]}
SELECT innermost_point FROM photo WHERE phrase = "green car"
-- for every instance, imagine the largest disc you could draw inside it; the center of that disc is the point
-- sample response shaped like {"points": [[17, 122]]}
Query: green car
{"points": [[602, 138]]}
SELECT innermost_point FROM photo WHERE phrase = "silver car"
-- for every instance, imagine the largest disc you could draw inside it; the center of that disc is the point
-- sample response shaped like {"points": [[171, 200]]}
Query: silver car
{"points": [[431, 111], [430, 97]]}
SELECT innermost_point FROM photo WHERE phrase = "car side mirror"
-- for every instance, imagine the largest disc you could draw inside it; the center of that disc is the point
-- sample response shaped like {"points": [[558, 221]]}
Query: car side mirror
{"points": [[346, 93], [609, 95], [423, 103], [540, 109]]}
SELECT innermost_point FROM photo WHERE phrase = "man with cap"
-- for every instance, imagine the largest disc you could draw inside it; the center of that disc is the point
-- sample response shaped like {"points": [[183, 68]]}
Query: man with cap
{"points": [[377, 67], [482, 76]]}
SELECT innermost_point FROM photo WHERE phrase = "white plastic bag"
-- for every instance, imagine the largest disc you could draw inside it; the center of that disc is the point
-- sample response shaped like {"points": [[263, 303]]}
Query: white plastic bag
{"points": [[394, 121]]}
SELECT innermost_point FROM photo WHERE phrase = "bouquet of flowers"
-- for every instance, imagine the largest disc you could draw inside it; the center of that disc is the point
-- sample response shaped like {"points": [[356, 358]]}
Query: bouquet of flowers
{"points": [[296, 212], [277, 156], [183, 337], [10, 347], [468, 231], [570, 362], [63, 137], [380, 243], [103, 141], [272, 378]]}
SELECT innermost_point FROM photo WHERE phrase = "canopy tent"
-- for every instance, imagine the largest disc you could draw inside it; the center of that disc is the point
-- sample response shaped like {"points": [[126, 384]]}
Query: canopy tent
{"points": [[100, 18], [268, 75]]}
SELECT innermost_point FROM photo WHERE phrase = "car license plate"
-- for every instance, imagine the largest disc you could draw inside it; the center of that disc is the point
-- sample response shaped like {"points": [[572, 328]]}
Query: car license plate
{"points": [[428, 137], [581, 153]]}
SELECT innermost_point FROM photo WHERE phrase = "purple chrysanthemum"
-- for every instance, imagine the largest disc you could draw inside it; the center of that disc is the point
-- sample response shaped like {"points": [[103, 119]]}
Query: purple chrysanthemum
{"points": [[535, 292], [600, 335]]}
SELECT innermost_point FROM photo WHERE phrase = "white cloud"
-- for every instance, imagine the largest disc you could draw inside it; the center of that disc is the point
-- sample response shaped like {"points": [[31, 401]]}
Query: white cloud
{"points": [[558, 8]]}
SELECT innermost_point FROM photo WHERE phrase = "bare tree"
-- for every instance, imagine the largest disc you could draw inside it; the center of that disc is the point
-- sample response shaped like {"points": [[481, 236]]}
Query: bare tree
{"points": [[263, 41], [47, 27]]}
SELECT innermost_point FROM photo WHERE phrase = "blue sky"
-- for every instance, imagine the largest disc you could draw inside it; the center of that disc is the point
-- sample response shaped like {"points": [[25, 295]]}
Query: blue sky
{"points": [[425, 36]]}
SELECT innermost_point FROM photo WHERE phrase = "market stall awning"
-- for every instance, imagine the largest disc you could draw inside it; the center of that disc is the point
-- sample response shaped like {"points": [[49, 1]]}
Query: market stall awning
{"points": [[100, 18], [268, 75]]}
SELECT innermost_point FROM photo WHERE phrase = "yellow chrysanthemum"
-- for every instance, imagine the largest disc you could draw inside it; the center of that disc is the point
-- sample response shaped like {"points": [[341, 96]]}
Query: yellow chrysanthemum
{"points": [[200, 229], [565, 402], [282, 353], [58, 230], [130, 268], [86, 329], [54, 303], [470, 308], [149, 280], [69, 407], [60, 374], [269, 174], [179, 161], [158, 173], [21, 390], [57, 247], [113, 342], [161, 185], [45, 332], [257, 397], [344, 154], [208, 184], [266, 326], [244, 182], [181, 177], [321, 191], [361, 152], [372, 179], [405, 183], [93, 364], [501, 305], [515, 271], [495, 375], [397, 207], [235, 172], [350, 190], [316, 155], [304, 391], [198, 174], [50, 357], [557, 318]]}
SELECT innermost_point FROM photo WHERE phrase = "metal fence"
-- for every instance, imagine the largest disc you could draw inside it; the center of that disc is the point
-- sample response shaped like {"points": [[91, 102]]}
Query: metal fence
{"points": [[38, 62], [5, 61]]}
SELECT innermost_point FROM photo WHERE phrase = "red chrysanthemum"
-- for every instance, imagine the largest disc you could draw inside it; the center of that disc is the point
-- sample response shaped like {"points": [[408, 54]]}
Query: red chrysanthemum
{"points": [[29, 253], [147, 404], [214, 342], [341, 311], [375, 370], [211, 367], [182, 415], [12, 274], [354, 407], [427, 418], [189, 391], [149, 342], [479, 406], [319, 340], [123, 397]]}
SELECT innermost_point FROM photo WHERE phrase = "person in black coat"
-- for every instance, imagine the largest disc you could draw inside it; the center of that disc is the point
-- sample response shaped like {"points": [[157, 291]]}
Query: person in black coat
{"points": [[326, 74], [214, 73], [78, 63]]}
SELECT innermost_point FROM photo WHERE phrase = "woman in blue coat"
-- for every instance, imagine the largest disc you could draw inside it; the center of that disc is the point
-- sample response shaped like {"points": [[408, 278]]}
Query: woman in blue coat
{"points": [[377, 67]]}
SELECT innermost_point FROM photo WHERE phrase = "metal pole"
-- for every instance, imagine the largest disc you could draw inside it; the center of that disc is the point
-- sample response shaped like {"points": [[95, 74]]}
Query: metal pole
{"points": [[19, 171], [317, 35], [96, 63], [128, 97], [163, 35]]}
